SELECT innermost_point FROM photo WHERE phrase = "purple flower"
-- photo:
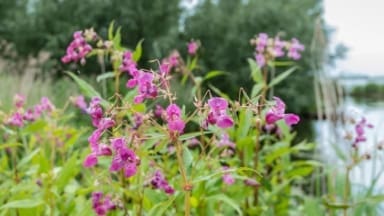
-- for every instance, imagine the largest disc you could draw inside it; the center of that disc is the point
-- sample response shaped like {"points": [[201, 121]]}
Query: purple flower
{"points": [[295, 48], [278, 47], [106, 123], [146, 87], [124, 158], [30, 115], [227, 177], [218, 113], [158, 181], [360, 131], [261, 42], [77, 49], [19, 100], [278, 112], [192, 47], [91, 160], [173, 117], [95, 111], [80, 102], [46, 104], [101, 205], [16, 120], [260, 59], [225, 142]]}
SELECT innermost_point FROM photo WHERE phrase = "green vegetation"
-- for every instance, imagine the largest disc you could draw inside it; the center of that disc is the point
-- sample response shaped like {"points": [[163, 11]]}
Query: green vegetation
{"points": [[370, 91]]}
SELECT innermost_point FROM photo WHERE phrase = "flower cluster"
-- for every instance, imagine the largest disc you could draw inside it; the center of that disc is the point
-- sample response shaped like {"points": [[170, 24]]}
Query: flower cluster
{"points": [[77, 49], [360, 131], [173, 118], [269, 48], [158, 181], [102, 205], [144, 80], [31, 114], [277, 112], [217, 114], [168, 63], [124, 159]]}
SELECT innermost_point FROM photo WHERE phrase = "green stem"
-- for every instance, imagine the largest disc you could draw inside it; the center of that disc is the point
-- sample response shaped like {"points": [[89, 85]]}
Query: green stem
{"points": [[186, 185]]}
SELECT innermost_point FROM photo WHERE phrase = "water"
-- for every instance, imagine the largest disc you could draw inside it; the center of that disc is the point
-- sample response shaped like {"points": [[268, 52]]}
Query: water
{"points": [[332, 135]]}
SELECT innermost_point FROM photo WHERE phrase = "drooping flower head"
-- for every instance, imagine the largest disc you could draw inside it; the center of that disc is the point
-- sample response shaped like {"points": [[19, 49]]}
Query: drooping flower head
{"points": [[218, 113], [124, 158], [173, 117], [277, 112]]}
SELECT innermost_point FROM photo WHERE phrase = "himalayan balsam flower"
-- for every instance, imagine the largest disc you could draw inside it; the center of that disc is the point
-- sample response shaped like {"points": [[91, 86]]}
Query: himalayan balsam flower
{"points": [[277, 112], [147, 89], [16, 120], [19, 100], [294, 49], [360, 131], [227, 177], [158, 181], [173, 117], [278, 46], [79, 102], [225, 142], [124, 158], [192, 47], [261, 42], [218, 113], [77, 49], [101, 205]]}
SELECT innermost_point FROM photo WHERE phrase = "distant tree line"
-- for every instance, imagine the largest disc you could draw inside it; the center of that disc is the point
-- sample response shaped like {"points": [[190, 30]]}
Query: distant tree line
{"points": [[224, 28]]}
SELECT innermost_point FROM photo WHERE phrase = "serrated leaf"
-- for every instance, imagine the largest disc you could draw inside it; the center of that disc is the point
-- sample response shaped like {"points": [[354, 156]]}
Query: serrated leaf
{"points": [[105, 76], [138, 51], [25, 203], [281, 77]]}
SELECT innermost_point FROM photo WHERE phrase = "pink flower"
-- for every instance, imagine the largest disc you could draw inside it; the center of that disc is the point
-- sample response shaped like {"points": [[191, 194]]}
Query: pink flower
{"points": [[80, 102], [278, 47], [225, 142], [19, 100], [260, 59], [16, 120], [124, 158], [101, 205], [261, 42], [147, 89], [360, 131], [106, 123], [46, 104], [278, 112], [227, 177], [294, 49], [218, 113], [173, 117], [192, 47], [95, 111], [158, 181], [91, 160], [77, 49]]}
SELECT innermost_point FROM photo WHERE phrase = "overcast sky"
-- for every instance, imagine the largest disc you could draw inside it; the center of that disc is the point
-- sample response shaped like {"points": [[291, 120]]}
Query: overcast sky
{"points": [[359, 25]]}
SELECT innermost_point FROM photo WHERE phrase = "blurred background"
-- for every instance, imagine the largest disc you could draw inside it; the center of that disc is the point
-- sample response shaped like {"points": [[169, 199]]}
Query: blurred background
{"points": [[342, 63]]}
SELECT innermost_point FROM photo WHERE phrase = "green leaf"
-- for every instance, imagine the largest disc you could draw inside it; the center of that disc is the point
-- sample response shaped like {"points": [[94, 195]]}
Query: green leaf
{"points": [[35, 127], [28, 158], [110, 30], [227, 200], [256, 89], [193, 134], [160, 208], [86, 88], [218, 92], [68, 172], [9, 145], [255, 71], [105, 76], [26, 203], [214, 73], [187, 157], [193, 64], [138, 51], [117, 39], [282, 76]]}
